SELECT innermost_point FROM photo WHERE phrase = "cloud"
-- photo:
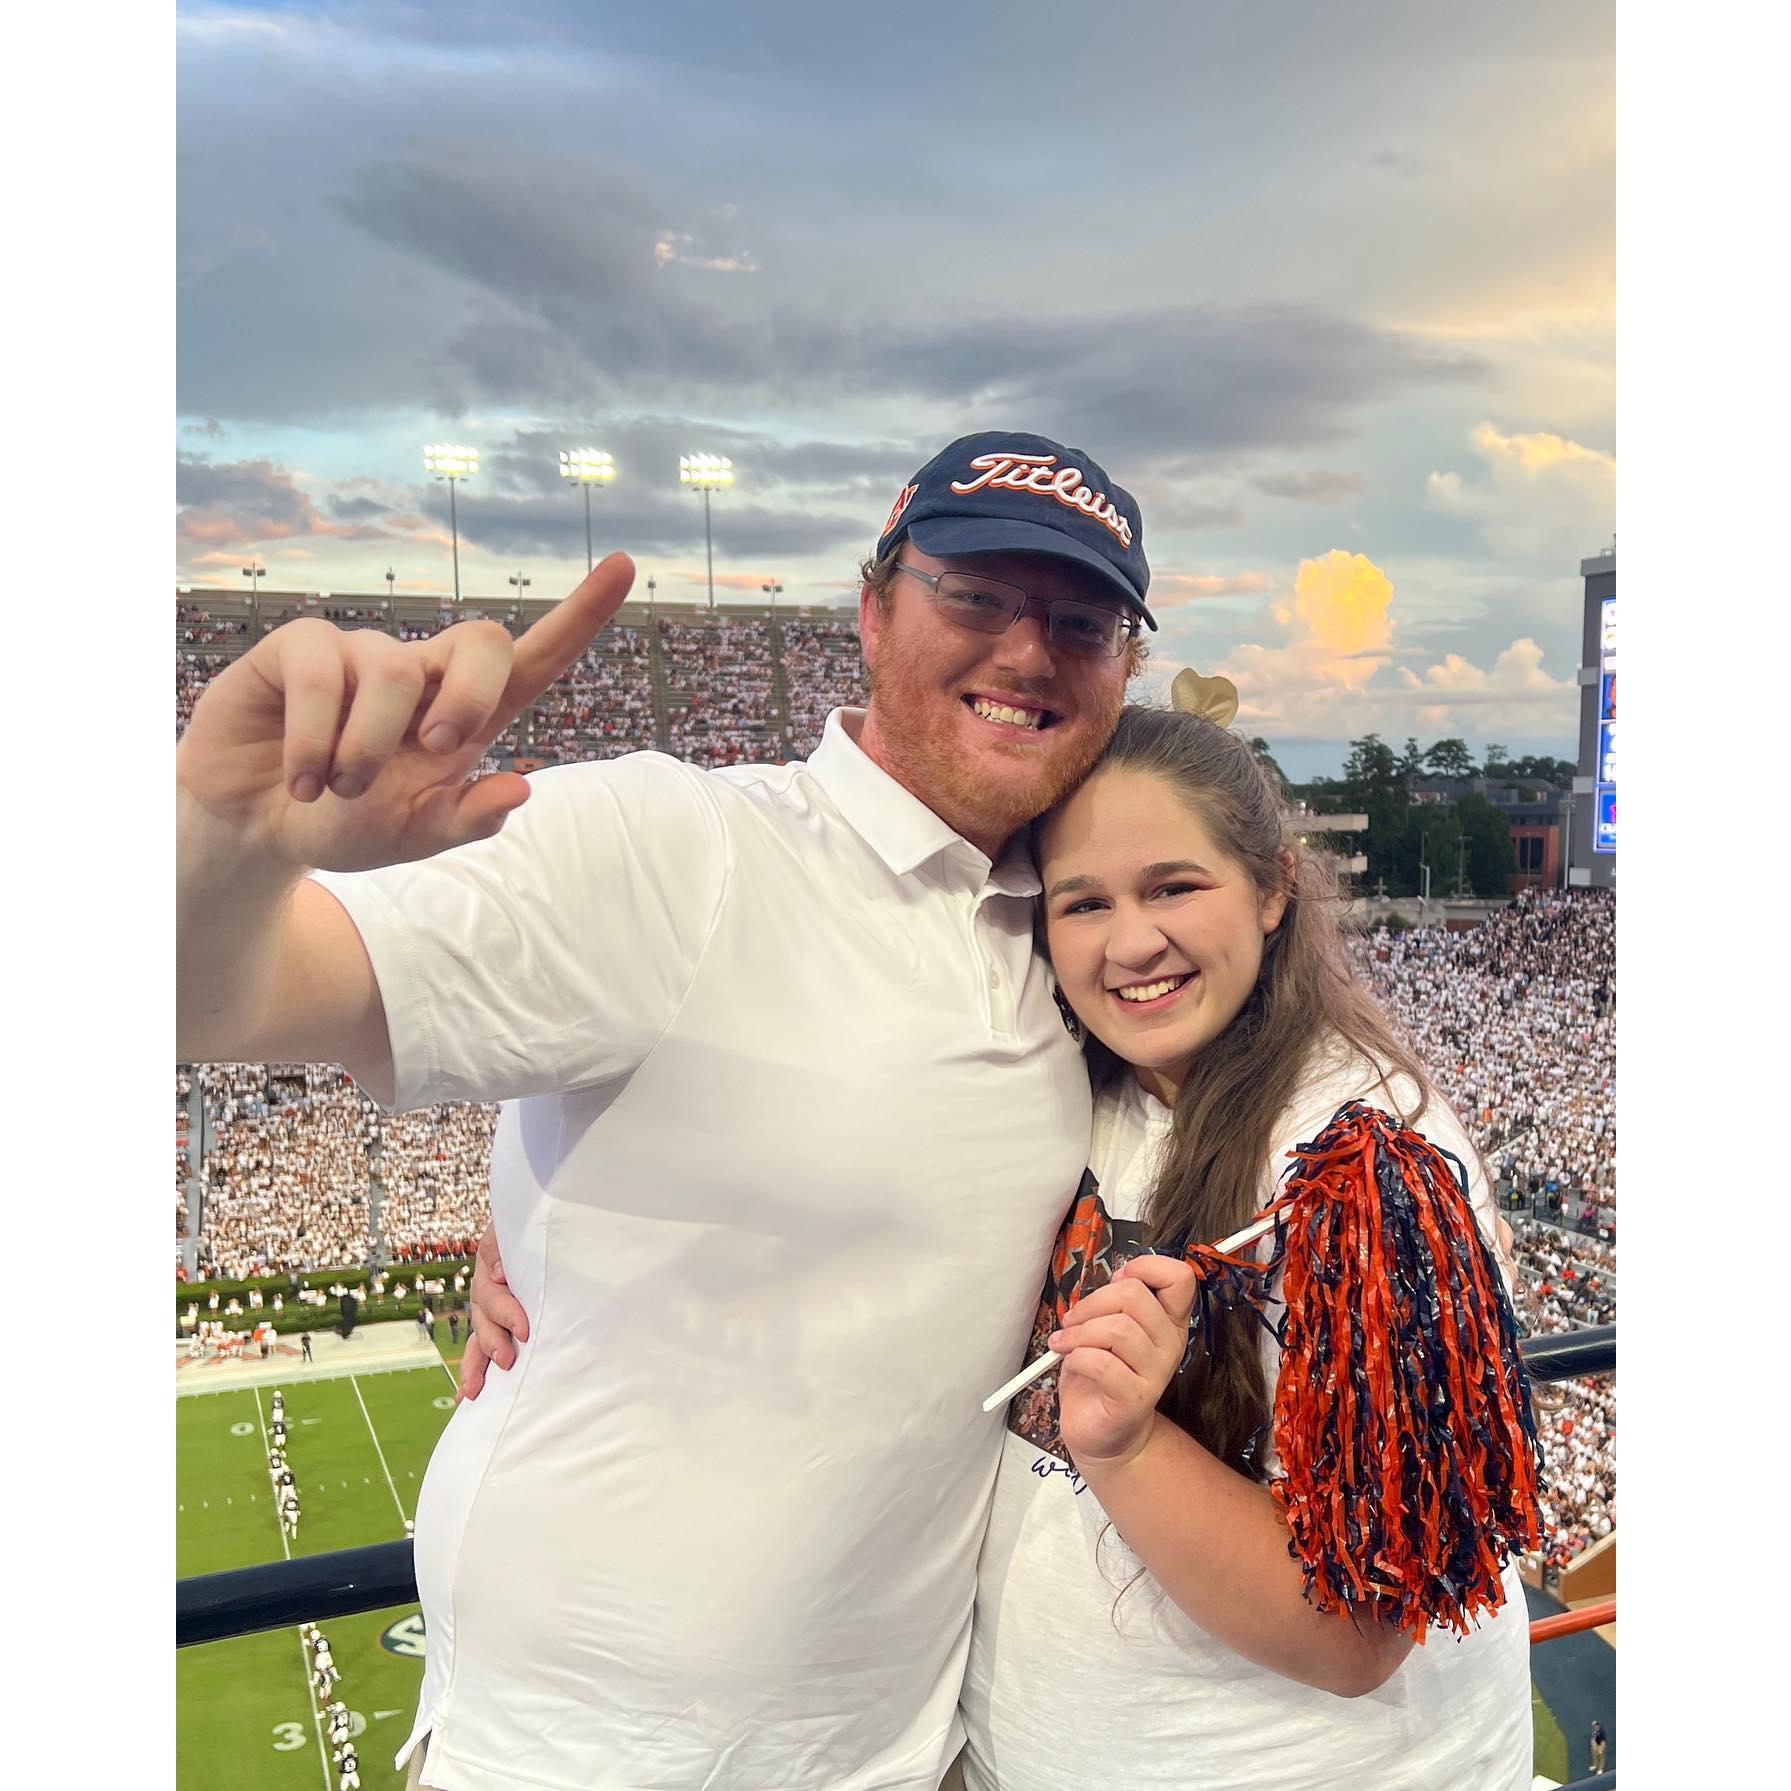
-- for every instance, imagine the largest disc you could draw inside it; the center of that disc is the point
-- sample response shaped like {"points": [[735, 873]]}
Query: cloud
{"points": [[1316, 487], [1169, 590], [1539, 497], [1333, 666], [1340, 603], [534, 281], [1167, 509], [1517, 678], [679, 246], [248, 501]]}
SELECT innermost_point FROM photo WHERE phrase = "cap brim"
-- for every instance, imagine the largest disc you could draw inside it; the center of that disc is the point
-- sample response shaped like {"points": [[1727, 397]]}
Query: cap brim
{"points": [[964, 537]]}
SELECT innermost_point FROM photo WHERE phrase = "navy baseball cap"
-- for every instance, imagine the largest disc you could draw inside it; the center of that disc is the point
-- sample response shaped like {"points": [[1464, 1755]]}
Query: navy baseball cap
{"points": [[998, 492]]}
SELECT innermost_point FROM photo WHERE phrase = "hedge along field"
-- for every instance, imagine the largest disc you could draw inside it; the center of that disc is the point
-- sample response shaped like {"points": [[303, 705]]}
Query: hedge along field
{"points": [[296, 1316], [357, 1446]]}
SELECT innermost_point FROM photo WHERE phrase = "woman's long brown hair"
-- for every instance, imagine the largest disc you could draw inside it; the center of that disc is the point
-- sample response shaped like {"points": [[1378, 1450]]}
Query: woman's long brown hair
{"points": [[1238, 1088]]}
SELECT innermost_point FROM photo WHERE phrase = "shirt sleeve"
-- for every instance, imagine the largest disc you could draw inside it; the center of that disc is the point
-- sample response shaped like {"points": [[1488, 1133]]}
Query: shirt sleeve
{"points": [[554, 955]]}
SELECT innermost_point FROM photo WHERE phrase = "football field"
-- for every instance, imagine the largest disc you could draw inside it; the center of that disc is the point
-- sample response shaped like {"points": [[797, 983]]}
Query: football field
{"points": [[357, 1445]]}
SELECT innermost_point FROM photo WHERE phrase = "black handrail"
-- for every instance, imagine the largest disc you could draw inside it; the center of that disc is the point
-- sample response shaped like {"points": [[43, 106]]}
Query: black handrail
{"points": [[213, 1606], [282, 1593]]}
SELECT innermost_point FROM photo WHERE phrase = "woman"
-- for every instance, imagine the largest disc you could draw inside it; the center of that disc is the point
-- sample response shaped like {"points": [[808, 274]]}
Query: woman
{"points": [[1140, 1620]]}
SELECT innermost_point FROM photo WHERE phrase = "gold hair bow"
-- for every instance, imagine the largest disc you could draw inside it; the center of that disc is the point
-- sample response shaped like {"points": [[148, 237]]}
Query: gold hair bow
{"points": [[1216, 698]]}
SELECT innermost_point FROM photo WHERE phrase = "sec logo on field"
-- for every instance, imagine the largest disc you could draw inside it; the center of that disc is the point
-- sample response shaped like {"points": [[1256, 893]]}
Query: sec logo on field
{"points": [[405, 1637]]}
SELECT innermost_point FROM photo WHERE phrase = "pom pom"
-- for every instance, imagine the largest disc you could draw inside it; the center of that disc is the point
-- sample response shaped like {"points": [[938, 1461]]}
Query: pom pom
{"points": [[1402, 1410]]}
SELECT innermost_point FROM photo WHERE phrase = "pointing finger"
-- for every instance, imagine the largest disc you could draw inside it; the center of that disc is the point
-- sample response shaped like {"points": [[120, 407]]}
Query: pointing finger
{"points": [[552, 644]]}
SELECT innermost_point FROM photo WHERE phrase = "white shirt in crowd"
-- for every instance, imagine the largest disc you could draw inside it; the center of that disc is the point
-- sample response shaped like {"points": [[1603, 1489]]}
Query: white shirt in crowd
{"points": [[1072, 1683], [793, 1121]]}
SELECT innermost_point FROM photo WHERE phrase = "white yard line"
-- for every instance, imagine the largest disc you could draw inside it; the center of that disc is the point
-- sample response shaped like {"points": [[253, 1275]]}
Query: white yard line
{"points": [[323, 1752], [420, 1364], [403, 1515]]}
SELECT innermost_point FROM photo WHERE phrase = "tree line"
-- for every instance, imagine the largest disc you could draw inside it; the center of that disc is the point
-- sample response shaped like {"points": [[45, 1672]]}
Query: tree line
{"points": [[1465, 841]]}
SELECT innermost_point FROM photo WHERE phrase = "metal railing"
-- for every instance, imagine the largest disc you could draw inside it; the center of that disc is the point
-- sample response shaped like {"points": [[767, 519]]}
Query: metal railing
{"points": [[214, 1606]]}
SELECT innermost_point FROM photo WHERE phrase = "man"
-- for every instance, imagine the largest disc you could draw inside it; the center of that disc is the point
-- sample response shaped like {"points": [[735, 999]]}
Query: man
{"points": [[1598, 1746], [794, 1122], [305, 1345]]}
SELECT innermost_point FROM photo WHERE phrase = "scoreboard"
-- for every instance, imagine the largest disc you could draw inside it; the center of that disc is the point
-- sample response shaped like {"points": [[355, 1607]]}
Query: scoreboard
{"points": [[1604, 797]]}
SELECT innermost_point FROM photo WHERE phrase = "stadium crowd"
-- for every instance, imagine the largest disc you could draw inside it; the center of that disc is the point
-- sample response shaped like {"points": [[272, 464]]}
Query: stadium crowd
{"points": [[723, 673], [602, 706], [192, 672], [199, 628], [823, 670], [1516, 1018], [435, 1168], [285, 1180], [1517, 1021]]}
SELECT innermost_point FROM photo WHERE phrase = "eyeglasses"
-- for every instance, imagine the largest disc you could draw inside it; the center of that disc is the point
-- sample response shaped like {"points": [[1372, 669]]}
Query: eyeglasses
{"points": [[990, 607]]}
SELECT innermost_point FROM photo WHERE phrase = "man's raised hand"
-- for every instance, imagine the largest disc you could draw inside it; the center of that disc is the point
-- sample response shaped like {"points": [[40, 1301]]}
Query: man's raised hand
{"points": [[345, 750]]}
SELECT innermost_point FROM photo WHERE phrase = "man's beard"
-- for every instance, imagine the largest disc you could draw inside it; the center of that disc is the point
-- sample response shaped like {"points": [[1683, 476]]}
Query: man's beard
{"points": [[931, 767]]}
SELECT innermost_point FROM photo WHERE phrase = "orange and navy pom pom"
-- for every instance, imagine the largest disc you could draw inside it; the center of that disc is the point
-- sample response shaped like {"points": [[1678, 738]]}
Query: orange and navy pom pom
{"points": [[1402, 1410]]}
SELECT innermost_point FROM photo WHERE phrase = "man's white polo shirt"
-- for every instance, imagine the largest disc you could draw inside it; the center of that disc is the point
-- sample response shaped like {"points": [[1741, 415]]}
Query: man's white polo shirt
{"points": [[798, 1121]]}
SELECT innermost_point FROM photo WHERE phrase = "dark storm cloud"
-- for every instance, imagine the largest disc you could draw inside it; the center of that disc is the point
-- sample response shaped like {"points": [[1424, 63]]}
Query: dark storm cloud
{"points": [[1316, 487], [646, 523], [572, 297]]}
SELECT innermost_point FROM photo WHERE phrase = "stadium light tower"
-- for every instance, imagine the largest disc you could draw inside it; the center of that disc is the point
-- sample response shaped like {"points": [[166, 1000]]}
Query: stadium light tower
{"points": [[255, 572], [521, 584], [771, 590], [391, 587], [444, 460], [588, 467], [652, 590], [706, 473]]}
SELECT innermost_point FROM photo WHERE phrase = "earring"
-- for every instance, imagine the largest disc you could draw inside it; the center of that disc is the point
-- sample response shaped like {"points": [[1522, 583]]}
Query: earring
{"points": [[1071, 1024]]}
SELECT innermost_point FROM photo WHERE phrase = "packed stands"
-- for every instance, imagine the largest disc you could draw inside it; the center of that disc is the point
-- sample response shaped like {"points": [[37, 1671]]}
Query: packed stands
{"points": [[286, 1176], [435, 1171], [198, 627], [602, 705], [1516, 1018], [719, 676], [823, 670], [192, 672]]}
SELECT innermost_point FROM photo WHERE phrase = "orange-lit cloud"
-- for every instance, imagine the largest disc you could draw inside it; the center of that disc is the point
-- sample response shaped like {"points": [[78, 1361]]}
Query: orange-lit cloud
{"points": [[1537, 496], [1332, 668], [1340, 607]]}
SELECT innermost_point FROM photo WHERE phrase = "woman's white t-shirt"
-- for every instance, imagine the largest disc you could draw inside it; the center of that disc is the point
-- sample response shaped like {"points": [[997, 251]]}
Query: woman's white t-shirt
{"points": [[1071, 1683]]}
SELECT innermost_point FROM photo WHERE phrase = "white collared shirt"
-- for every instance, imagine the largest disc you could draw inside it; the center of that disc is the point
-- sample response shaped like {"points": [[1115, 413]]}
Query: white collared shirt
{"points": [[799, 1122]]}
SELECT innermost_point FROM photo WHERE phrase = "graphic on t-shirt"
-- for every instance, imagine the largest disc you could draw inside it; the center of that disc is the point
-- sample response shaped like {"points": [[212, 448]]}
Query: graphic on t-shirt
{"points": [[1091, 1248]]}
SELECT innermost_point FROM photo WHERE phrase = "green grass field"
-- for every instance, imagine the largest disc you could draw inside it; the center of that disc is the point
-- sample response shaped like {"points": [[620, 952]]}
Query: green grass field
{"points": [[357, 1446]]}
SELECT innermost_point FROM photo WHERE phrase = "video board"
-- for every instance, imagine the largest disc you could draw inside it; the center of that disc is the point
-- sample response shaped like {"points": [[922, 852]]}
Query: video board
{"points": [[1604, 819], [1604, 796]]}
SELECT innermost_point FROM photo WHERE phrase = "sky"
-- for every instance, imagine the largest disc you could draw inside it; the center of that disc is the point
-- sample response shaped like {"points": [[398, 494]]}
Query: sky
{"points": [[1329, 289]]}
